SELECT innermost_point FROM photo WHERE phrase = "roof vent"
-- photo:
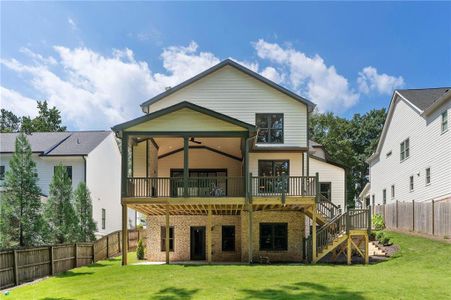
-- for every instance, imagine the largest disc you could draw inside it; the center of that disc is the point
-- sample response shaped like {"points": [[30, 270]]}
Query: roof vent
{"points": [[167, 88], [78, 141]]}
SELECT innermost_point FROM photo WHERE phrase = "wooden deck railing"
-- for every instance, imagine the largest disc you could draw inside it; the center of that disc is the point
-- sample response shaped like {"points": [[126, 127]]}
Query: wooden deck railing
{"points": [[264, 186]]}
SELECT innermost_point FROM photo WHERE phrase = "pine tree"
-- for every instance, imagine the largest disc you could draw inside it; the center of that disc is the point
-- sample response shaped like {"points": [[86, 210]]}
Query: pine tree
{"points": [[21, 221], [59, 210], [83, 210]]}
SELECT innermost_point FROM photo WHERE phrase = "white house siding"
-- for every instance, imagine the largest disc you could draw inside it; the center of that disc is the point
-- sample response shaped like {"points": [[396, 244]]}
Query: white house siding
{"points": [[333, 174], [428, 148], [103, 167], [238, 95], [45, 169]]}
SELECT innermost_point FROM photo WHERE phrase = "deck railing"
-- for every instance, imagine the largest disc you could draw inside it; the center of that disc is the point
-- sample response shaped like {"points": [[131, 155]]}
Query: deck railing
{"points": [[262, 186]]}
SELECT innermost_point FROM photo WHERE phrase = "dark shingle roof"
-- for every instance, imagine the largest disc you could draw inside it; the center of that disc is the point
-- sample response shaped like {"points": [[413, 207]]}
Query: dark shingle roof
{"points": [[56, 143], [423, 98]]}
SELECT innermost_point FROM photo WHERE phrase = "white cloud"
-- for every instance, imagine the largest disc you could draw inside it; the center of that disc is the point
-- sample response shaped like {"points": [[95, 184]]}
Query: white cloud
{"points": [[72, 23], [272, 74], [98, 91], [309, 76], [370, 80], [15, 102]]}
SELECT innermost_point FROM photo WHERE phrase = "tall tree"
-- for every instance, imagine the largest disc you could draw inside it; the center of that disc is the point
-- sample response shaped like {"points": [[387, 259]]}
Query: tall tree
{"points": [[83, 211], [59, 210], [47, 120], [9, 122], [349, 142], [20, 208]]}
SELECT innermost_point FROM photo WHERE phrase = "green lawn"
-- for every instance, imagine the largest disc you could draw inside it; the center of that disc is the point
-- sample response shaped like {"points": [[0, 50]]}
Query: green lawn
{"points": [[421, 270]]}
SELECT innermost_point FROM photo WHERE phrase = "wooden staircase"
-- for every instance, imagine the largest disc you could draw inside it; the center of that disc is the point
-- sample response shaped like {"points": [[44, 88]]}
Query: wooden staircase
{"points": [[336, 228]]}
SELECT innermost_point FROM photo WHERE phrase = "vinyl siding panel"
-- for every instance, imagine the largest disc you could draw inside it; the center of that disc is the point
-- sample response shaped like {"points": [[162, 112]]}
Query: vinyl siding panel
{"points": [[238, 95], [333, 174], [429, 147]]}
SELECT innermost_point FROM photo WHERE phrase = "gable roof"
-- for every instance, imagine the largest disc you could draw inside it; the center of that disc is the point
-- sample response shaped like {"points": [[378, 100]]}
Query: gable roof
{"points": [[178, 106], [422, 100], [229, 62], [71, 143]]}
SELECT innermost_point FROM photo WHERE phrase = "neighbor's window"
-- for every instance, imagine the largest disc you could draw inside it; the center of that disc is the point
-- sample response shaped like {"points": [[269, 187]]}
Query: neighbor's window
{"points": [[274, 236], [445, 121], [163, 238], [393, 191], [2, 172], [270, 128], [428, 175], [405, 149], [103, 218], [384, 196], [388, 154], [411, 183], [228, 238], [68, 171]]}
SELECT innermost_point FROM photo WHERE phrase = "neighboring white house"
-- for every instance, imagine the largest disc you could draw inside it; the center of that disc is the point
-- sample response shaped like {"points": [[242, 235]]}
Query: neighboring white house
{"points": [[89, 156], [413, 157]]}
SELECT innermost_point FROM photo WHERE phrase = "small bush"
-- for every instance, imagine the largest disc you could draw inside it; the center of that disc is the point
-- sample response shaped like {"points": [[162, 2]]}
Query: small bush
{"points": [[378, 222], [379, 235], [385, 241], [140, 250]]}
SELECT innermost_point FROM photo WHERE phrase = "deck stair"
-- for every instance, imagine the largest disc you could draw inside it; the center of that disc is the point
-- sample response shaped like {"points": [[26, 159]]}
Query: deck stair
{"points": [[350, 227], [325, 211]]}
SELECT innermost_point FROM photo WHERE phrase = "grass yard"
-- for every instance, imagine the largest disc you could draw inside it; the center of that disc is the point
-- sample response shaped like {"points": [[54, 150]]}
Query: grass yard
{"points": [[421, 270]]}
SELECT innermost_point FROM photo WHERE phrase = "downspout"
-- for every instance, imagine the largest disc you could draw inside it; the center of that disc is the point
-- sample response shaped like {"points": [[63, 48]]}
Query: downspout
{"points": [[84, 167]]}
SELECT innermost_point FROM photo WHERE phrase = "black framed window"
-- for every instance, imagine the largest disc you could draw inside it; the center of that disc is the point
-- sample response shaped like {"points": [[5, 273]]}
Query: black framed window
{"points": [[103, 218], [325, 189], [428, 176], [68, 171], [228, 238], [393, 191], [411, 183], [270, 128], [445, 121], [163, 238], [2, 172], [273, 167], [274, 236], [405, 149], [384, 196]]}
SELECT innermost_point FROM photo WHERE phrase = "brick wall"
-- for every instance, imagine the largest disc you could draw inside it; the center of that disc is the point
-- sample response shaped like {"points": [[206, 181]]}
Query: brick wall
{"points": [[182, 226]]}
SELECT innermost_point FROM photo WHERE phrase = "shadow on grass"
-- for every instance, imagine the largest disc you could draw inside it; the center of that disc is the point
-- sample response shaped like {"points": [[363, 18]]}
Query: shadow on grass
{"points": [[72, 274], [95, 265], [55, 298], [173, 293], [302, 290]]}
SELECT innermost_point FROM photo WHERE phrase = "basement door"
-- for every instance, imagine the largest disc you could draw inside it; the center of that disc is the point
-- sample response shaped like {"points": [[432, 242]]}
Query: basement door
{"points": [[197, 243]]}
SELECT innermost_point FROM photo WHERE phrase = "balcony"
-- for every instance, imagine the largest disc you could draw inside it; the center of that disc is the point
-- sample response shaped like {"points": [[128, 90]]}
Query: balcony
{"points": [[220, 187]]}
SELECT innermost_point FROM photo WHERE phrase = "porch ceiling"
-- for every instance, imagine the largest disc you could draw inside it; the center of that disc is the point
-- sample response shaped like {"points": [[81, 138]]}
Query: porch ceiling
{"points": [[229, 145]]}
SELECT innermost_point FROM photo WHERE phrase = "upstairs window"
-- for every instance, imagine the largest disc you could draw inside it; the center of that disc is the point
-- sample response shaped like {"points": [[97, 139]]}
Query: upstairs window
{"points": [[325, 189], [445, 121], [384, 196], [103, 218], [393, 191], [411, 186], [2, 172], [270, 128], [68, 171], [428, 176], [405, 149]]}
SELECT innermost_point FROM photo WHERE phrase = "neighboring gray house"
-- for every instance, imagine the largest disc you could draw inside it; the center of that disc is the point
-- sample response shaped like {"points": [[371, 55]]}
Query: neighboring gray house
{"points": [[90, 156], [413, 157]]}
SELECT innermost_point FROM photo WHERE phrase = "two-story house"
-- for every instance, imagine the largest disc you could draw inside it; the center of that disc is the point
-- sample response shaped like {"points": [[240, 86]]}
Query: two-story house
{"points": [[413, 157], [88, 156], [223, 167]]}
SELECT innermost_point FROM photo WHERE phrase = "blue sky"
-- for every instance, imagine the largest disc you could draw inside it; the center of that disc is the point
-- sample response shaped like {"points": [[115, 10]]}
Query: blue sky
{"points": [[97, 61]]}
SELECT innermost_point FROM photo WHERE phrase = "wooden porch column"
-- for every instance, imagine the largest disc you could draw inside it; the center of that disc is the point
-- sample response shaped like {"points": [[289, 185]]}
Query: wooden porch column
{"points": [[367, 248], [209, 228], [167, 228], [250, 239], [185, 165], [124, 164], [124, 234], [314, 234], [349, 250]]}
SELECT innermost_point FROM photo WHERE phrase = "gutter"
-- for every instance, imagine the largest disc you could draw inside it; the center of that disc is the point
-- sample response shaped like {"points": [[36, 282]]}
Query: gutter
{"points": [[84, 167]]}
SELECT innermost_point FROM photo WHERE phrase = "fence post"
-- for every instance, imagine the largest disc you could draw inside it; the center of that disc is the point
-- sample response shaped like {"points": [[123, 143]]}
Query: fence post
{"points": [[433, 217], [107, 246], [52, 271], [76, 255], [397, 215], [16, 268], [413, 215]]}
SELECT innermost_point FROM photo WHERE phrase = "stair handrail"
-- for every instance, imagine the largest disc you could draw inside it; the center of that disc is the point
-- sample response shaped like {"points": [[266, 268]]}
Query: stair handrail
{"points": [[327, 208]]}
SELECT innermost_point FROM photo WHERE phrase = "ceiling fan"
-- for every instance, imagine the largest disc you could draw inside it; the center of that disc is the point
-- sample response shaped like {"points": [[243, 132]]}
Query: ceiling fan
{"points": [[194, 141]]}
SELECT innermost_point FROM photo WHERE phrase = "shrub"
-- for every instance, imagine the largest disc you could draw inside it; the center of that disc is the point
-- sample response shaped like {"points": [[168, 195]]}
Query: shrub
{"points": [[379, 235], [385, 241], [140, 250], [378, 222]]}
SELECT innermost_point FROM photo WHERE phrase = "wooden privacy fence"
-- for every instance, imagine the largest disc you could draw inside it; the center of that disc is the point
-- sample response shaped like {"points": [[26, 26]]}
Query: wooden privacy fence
{"points": [[433, 218], [22, 265]]}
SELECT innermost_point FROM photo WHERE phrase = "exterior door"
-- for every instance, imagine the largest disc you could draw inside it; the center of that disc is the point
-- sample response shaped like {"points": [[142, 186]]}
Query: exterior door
{"points": [[198, 243]]}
